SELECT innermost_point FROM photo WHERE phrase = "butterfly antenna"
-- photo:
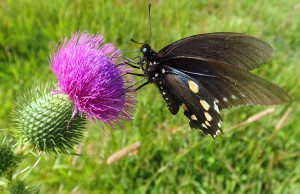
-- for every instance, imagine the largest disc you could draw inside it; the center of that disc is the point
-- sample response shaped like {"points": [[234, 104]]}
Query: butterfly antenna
{"points": [[149, 20], [132, 40], [133, 51], [150, 29]]}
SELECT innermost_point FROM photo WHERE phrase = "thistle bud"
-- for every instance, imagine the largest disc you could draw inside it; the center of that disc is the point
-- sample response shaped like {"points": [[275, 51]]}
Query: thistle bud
{"points": [[47, 123]]}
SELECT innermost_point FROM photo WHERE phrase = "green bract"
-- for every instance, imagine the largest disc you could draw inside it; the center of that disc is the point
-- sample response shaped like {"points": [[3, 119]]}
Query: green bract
{"points": [[47, 122], [20, 187], [8, 160]]}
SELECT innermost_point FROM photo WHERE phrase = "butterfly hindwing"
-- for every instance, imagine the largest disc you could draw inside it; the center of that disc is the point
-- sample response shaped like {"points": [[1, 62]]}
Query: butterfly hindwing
{"points": [[230, 85], [173, 103], [199, 106], [240, 50]]}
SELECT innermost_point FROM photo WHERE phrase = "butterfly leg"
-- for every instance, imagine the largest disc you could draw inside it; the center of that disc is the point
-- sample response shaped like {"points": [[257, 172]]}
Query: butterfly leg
{"points": [[141, 86], [133, 61], [133, 66], [135, 89], [136, 74]]}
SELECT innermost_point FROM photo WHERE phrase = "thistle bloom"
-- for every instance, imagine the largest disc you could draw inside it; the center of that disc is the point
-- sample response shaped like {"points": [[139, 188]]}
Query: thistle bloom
{"points": [[90, 85], [89, 74]]}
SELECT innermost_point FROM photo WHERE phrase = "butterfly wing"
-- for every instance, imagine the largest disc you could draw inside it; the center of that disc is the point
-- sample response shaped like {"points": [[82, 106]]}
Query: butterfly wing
{"points": [[173, 102], [199, 106], [244, 51], [230, 85]]}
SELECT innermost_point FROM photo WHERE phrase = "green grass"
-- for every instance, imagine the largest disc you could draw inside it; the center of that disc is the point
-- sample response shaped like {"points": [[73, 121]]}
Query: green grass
{"points": [[254, 158]]}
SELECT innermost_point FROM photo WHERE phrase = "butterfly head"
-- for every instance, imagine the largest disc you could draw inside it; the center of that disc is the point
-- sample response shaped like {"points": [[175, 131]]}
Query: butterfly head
{"points": [[149, 54], [149, 59]]}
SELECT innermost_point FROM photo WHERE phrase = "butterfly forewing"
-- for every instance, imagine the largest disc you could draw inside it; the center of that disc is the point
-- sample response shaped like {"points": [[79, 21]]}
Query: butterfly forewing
{"points": [[199, 106], [230, 85], [244, 51]]}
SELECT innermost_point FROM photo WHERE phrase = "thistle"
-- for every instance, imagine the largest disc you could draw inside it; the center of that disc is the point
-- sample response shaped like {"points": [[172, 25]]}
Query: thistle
{"points": [[87, 73], [20, 187], [8, 159], [90, 85]]}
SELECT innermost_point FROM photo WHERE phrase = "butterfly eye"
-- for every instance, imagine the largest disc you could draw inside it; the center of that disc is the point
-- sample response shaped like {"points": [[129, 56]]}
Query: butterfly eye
{"points": [[144, 50]]}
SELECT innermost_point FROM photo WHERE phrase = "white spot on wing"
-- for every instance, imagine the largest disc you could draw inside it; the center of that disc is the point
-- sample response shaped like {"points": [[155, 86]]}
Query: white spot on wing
{"points": [[156, 75], [163, 71], [233, 96], [225, 99], [216, 107], [217, 132], [204, 126], [219, 123]]}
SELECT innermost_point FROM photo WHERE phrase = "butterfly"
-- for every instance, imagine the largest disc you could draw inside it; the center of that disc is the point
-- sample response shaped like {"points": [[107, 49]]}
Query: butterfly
{"points": [[206, 73]]}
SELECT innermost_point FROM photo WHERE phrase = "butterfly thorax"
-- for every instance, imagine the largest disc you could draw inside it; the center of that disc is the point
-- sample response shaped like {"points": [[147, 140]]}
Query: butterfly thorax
{"points": [[150, 60]]}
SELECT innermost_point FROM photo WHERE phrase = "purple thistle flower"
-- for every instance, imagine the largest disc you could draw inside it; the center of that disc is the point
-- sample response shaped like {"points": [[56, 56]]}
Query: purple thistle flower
{"points": [[87, 71]]}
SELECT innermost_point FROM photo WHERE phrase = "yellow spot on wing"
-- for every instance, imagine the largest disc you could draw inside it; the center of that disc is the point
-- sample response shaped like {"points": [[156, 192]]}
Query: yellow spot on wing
{"points": [[204, 126], [193, 117], [207, 123], [193, 86], [207, 116], [204, 104]]}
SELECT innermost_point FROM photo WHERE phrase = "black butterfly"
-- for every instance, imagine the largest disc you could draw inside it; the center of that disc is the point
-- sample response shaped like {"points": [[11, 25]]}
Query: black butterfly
{"points": [[209, 72]]}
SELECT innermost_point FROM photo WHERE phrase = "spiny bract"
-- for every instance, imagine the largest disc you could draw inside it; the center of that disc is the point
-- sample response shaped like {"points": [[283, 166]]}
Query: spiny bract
{"points": [[48, 124]]}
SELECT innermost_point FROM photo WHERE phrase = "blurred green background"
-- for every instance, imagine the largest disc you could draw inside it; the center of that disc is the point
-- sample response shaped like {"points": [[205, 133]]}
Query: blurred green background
{"points": [[257, 157]]}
